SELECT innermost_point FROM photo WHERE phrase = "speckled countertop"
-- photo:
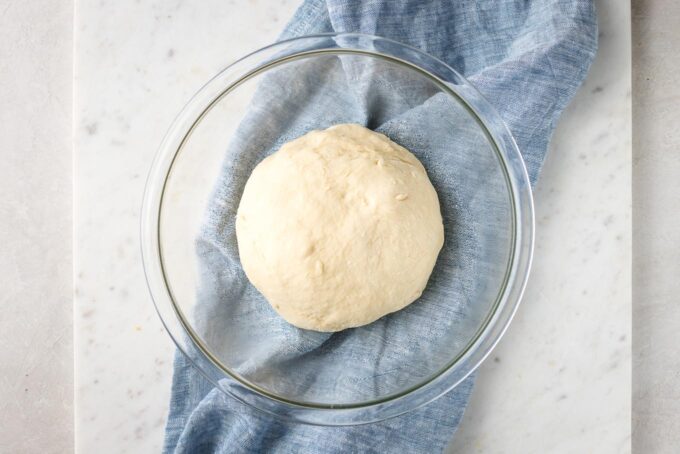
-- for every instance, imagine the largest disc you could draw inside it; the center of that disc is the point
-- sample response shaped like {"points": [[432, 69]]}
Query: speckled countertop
{"points": [[135, 66]]}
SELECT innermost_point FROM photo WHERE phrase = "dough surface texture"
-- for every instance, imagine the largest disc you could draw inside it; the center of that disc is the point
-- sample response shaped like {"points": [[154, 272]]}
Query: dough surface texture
{"points": [[338, 228]]}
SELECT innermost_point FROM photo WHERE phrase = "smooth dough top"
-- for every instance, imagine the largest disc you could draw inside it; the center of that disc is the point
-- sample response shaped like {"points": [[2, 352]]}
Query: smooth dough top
{"points": [[338, 228]]}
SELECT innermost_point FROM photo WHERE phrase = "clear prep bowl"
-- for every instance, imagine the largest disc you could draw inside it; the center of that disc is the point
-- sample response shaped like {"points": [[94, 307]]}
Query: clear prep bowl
{"points": [[489, 218]]}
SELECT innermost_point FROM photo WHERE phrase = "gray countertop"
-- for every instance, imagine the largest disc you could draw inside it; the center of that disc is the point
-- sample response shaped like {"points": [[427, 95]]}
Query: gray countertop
{"points": [[36, 336], [656, 235], [36, 343]]}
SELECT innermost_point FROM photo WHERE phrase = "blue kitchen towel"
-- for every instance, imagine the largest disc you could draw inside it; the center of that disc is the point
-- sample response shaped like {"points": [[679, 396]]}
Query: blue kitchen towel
{"points": [[528, 58]]}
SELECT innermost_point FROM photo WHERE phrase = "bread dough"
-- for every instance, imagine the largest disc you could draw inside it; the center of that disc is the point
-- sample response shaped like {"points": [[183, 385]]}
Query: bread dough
{"points": [[338, 228]]}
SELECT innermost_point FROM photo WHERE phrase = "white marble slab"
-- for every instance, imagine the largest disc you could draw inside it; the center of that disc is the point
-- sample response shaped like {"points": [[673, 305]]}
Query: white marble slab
{"points": [[564, 366]]}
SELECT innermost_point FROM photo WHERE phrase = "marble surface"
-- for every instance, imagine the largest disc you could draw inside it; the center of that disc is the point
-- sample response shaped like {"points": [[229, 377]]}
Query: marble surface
{"points": [[36, 373], [560, 379]]}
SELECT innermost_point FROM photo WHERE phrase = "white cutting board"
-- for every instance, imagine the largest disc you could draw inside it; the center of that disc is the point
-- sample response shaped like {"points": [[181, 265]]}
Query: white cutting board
{"points": [[137, 63]]}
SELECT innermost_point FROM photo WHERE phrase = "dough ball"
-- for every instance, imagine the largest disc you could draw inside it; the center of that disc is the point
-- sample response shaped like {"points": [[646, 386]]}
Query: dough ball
{"points": [[338, 228]]}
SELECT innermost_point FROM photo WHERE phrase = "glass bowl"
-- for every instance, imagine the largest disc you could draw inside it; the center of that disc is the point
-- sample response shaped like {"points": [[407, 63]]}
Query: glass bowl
{"points": [[402, 361]]}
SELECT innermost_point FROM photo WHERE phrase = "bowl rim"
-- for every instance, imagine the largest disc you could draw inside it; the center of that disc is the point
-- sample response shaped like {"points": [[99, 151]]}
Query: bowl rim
{"points": [[480, 346]]}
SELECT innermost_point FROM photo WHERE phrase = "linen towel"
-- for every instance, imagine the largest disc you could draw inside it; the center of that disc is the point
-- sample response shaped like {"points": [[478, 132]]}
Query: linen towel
{"points": [[527, 59]]}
